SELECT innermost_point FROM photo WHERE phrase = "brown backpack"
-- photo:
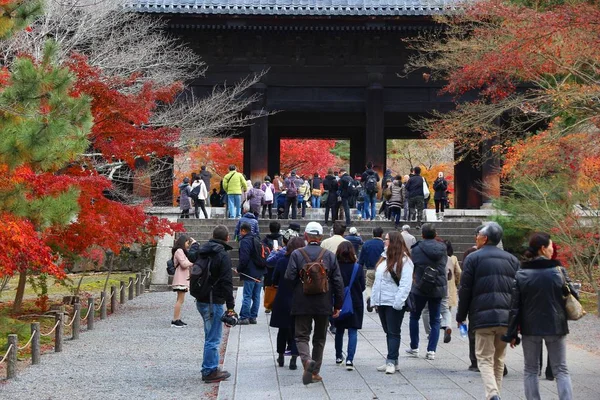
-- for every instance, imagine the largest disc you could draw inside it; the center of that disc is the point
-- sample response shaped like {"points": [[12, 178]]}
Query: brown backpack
{"points": [[313, 274]]}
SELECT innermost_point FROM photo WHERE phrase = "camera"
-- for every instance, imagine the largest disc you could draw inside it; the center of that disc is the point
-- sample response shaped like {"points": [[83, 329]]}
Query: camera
{"points": [[230, 319]]}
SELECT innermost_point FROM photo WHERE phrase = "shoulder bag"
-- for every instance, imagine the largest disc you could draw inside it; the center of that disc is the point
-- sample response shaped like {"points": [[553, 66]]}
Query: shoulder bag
{"points": [[347, 307], [573, 307]]}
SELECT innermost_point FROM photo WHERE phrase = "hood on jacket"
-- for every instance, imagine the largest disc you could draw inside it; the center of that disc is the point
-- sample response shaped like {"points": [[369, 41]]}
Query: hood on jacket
{"points": [[274, 236], [182, 185], [249, 215], [214, 246], [433, 249]]}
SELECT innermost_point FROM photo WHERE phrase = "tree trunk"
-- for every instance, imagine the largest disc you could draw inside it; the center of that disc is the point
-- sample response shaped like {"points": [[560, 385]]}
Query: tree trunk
{"points": [[20, 292]]}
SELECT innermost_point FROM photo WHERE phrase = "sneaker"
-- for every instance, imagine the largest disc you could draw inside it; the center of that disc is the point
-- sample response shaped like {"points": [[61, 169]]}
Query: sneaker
{"points": [[412, 352], [267, 311], [216, 376], [339, 360], [177, 324], [383, 367], [473, 368], [349, 365], [332, 329], [253, 321], [287, 353], [430, 355], [307, 375], [390, 368], [244, 321], [447, 335], [184, 324], [369, 307]]}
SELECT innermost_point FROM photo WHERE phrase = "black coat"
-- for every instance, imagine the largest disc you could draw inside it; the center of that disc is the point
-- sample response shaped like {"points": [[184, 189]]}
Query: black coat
{"points": [[220, 272], [346, 182], [316, 304], [282, 305], [331, 185], [414, 186], [486, 287], [430, 252], [356, 292], [537, 304], [247, 265], [440, 186]]}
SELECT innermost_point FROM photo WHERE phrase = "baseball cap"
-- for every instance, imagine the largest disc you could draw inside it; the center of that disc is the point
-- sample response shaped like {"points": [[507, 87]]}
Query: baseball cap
{"points": [[294, 226], [314, 228], [353, 231]]}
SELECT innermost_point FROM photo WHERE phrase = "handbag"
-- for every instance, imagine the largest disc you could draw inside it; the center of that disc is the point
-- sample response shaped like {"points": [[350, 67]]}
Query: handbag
{"points": [[425, 189], [572, 306], [270, 292], [347, 307], [316, 192]]}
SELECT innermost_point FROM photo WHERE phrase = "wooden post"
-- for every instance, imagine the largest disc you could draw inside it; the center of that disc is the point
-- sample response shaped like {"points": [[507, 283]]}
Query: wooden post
{"points": [[598, 298], [113, 299], [138, 278], [11, 367], [58, 333], [122, 292], [147, 282], [76, 321], [35, 343], [102, 305], [130, 289], [90, 321]]}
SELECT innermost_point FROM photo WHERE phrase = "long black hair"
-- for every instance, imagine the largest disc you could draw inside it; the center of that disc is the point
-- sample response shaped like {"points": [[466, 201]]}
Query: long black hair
{"points": [[180, 244]]}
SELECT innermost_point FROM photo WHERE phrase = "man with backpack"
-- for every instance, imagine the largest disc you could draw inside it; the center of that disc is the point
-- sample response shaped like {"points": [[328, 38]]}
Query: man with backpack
{"points": [[415, 189], [318, 293], [252, 268], [292, 186], [370, 179], [213, 290]]}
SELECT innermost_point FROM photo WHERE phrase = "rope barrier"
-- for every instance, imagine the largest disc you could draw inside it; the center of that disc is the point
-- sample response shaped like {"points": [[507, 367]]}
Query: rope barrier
{"points": [[7, 353], [128, 286], [28, 343], [72, 319], [588, 293], [144, 280], [101, 302], [137, 278], [53, 329]]}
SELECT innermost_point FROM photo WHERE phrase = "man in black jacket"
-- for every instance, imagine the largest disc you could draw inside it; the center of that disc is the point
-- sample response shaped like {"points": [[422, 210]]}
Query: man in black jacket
{"points": [[346, 187], [251, 274], [222, 293], [331, 186], [416, 197], [430, 285], [485, 294], [314, 307], [370, 193]]}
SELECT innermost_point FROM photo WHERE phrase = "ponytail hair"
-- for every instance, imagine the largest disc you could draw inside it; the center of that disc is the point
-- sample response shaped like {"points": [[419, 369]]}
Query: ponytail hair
{"points": [[536, 241]]}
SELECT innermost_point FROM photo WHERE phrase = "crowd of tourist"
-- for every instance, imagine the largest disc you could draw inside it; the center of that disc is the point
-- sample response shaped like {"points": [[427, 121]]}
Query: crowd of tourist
{"points": [[317, 283], [401, 197]]}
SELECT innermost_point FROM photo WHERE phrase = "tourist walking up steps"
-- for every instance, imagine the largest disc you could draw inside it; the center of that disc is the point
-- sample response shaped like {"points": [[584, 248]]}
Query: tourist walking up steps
{"points": [[430, 285], [538, 311], [282, 306], [354, 278], [185, 201], [369, 257], [181, 282], [315, 299], [391, 289], [484, 294], [292, 187], [269, 198], [211, 306]]}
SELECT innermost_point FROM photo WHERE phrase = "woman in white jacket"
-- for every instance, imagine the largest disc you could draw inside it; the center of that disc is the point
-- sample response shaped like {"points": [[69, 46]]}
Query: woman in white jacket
{"points": [[393, 280]]}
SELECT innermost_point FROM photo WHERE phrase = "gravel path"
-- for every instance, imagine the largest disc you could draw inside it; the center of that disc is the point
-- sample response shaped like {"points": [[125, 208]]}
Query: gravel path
{"points": [[132, 354]]}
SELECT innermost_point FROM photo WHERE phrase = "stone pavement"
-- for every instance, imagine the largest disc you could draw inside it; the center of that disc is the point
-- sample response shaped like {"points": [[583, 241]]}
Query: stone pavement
{"points": [[251, 359]]}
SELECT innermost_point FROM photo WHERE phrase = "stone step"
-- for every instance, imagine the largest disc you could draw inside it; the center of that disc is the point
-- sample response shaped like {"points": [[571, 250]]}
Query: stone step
{"points": [[211, 223]]}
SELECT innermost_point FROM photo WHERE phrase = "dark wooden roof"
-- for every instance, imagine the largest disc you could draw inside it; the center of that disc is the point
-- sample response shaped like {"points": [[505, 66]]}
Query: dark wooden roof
{"points": [[357, 8]]}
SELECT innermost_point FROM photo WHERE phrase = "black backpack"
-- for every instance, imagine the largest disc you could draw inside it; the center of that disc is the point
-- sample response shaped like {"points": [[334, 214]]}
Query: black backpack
{"points": [[200, 285], [371, 184], [195, 192], [260, 253], [171, 267]]}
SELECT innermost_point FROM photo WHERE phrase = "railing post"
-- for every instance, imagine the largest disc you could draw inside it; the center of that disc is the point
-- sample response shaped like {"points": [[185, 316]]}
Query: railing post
{"points": [[35, 343], [11, 366], [130, 289], [102, 305], [122, 292], [76, 321], [138, 281], [598, 298], [113, 299], [58, 333], [147, 275], [90, 321]]}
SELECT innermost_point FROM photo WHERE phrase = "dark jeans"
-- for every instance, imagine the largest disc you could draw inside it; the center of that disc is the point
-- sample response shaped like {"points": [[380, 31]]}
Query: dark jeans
{"points": [[472, 355], [416, 207], [391, 321], [265, 207], [346, 207], [333, 208], [352, 342], [439, 204], [285, 338], [302, 205], [304, 324], [185, 214], [433, 304], [396, 211], [293, 202], [201, 204]]}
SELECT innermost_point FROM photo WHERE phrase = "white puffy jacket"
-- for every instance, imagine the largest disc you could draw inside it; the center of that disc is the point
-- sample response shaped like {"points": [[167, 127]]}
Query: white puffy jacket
{"points": [[386, 292]]}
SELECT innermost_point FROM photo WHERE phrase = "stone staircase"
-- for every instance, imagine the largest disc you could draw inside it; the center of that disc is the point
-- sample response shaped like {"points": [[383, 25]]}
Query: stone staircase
{"points": [[460, 233]]}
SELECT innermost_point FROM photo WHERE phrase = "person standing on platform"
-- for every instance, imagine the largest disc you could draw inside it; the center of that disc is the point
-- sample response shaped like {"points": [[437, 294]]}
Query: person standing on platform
{"points": [[346, 183], [370, 181], [315, 189], [234, 184], [330, 184], [416, 197]]}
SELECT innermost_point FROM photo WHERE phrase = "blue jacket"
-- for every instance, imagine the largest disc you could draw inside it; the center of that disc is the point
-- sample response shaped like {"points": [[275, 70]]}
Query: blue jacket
{"points": [[370, 253], [356, 242], [247, 265], [275, 256], [251, 219]]}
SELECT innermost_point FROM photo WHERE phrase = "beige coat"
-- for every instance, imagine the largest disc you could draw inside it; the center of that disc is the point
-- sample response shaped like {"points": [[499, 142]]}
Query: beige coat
{"points": [[453, 267]]}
